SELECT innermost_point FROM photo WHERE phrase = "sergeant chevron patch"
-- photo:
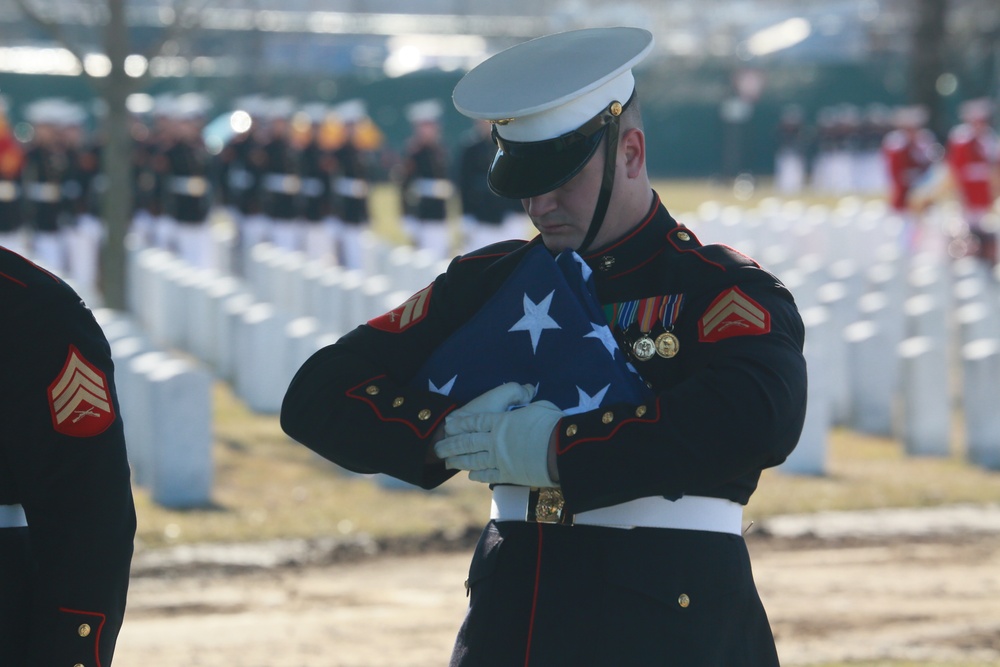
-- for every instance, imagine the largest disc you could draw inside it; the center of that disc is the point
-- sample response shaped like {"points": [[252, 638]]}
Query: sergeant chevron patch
{"points": [[733, 313], [406, 314], [80, 398]]}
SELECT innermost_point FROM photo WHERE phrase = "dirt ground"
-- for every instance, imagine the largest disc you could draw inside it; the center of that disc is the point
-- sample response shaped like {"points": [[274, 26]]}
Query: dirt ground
{"points": [[919, 595]]}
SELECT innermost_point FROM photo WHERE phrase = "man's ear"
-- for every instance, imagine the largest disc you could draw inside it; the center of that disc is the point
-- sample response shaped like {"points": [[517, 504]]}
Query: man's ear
{"points": [[633, 148]]}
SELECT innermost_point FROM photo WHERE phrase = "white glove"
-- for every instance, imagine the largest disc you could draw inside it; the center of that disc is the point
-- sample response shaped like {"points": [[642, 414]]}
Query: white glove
{"points": [[506, 447], [500, 399]]}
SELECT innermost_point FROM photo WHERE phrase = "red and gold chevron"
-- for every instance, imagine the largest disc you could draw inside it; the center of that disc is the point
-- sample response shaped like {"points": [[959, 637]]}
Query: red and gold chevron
{"points": [[406, 314], [732, 314], [80, 398]]}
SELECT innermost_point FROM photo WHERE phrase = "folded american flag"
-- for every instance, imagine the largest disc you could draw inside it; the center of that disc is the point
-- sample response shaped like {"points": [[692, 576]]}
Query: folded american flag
{"points": [[543, 327]]}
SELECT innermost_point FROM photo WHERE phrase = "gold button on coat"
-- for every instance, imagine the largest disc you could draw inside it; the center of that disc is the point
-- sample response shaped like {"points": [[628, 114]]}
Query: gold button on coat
{"points": [[371, 390], [683, 236], [683, 600], [424, 415], [640, 411], [571, 430], [608, 417], [83, 630], [398, 401]]}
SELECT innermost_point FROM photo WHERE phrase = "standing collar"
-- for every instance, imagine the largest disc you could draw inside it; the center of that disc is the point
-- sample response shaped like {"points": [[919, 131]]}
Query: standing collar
{"points": [[638, 247]]}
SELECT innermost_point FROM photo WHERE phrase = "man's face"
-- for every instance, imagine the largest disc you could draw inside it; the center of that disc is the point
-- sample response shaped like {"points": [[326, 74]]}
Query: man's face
{"points": [[563, 215]]}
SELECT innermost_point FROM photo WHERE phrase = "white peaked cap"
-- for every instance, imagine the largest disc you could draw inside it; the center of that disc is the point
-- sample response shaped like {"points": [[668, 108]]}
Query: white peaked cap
{"points": [[351, 111], [552, 85]]}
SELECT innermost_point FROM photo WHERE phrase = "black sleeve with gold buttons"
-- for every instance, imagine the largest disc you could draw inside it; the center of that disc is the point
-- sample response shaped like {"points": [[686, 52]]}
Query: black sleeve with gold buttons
{"points": [[353, 402]]}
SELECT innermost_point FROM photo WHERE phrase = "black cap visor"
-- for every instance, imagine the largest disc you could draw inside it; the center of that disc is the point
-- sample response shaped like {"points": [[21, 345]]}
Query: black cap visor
{"points": [[528, 169]]}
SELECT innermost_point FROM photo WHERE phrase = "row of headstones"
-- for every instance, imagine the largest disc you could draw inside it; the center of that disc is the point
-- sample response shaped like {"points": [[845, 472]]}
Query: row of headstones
{"points": [[165, 401], [898, 336], [256, 331]]}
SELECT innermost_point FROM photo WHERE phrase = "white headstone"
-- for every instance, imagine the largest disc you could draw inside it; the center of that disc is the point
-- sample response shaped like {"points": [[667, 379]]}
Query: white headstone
{"points": [[925, 407], [872, 381], [182, 466], [260, 367], [980, 389], [809, 456]]}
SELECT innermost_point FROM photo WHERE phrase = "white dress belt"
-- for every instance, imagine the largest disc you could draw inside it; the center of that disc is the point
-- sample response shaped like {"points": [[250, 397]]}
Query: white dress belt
{"points": [[12, 516], [433, 188], [511, 503]]}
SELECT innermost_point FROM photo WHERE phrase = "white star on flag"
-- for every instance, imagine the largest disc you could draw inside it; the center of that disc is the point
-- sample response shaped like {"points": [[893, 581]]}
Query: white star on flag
{"points": [[588, 402], [536, 319], [603, 333], [444, 389]]}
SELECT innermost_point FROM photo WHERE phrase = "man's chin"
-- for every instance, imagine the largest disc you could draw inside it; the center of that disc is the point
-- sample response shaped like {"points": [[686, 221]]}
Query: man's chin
{"points": [[557, 243]]}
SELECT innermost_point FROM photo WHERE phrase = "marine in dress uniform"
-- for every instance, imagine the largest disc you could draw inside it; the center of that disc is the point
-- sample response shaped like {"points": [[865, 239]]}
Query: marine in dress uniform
{"points": [[45, 164], [82, 179], [486, 217], [11, 193], [317, 165], [242, 163], [352, 186], [67, 518], [188, 184], [973, 155], [790, 158], [616, 532], [280, 181], [426, 187]]}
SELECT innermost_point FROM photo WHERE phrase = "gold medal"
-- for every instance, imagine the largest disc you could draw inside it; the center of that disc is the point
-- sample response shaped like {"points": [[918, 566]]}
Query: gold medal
{"points": [[644, 348], [667, 345]]}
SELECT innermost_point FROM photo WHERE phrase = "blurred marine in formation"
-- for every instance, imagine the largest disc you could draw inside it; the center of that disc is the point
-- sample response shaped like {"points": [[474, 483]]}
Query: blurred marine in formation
{"points": [[11, 192], [280, 182], [352, 184], [186, 170], [317, 166], [486, 217], [426, 187]]}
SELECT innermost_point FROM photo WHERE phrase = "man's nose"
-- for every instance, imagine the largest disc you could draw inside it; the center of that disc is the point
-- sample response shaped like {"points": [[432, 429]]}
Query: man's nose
{"points": [[539, 205]]}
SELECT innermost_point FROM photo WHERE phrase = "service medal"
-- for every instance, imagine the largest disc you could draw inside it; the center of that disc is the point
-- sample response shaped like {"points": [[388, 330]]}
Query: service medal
{"points": [[667, 345], [644, 348]]}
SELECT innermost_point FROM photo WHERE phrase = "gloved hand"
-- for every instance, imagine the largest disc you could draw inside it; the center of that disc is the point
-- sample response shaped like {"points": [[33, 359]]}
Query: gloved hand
{"points": [[505, 447], [499, 399]]}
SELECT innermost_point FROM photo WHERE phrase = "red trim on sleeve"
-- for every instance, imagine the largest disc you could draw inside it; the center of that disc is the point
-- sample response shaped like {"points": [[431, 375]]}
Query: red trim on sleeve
{"points": [[432, 425], [97, 635], [650, 417], [13, 279]]}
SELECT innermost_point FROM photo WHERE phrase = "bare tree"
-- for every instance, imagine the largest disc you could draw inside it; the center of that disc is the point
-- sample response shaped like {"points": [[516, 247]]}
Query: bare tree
{"points": [[928, 52], [113, 90]]}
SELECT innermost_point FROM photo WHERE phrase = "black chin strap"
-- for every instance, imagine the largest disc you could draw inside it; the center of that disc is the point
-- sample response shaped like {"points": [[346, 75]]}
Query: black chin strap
{"points": [[604, 198]]}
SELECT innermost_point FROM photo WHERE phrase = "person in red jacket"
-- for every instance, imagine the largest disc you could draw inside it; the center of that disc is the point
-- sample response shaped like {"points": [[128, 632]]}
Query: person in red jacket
{"points": [[974, 162], [909, 151]]}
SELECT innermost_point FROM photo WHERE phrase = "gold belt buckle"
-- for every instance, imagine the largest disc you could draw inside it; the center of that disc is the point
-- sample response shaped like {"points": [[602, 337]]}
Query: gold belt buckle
{"points": [[545, 506]]}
